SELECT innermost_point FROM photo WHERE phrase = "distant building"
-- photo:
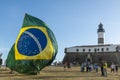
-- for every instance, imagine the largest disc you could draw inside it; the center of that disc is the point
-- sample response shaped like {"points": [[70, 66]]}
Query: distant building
{"points": [[94, 53]]}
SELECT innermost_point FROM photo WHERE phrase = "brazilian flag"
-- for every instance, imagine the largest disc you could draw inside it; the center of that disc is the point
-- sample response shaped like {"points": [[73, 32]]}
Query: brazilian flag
{"points": [[34, 48]]}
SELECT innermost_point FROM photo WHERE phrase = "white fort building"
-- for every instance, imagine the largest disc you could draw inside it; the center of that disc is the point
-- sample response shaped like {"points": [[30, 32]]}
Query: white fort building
{"points": [[94, 53]]}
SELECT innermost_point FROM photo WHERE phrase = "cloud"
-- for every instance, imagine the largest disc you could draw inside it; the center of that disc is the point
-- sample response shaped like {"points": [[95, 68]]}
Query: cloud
{"points": [[4, 49]]}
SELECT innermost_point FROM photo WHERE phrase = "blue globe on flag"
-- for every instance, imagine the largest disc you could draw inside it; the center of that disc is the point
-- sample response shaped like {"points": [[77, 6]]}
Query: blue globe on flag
{"points": [[31, 42]]}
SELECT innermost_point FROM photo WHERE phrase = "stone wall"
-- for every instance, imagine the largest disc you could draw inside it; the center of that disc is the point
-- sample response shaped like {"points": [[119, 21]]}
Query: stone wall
{"points": [[78, 58]]}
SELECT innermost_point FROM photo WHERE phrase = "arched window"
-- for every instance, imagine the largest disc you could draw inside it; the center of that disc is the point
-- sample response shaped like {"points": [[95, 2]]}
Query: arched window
{"points": [[83, 50], [95, 50], [107, 49], [89, 50], [77, 50], [102, 49], [98, 49]]}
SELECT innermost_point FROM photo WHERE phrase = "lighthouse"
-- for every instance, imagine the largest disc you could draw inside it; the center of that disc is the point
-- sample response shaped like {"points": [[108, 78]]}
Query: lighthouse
{"points": [[100, 33]]}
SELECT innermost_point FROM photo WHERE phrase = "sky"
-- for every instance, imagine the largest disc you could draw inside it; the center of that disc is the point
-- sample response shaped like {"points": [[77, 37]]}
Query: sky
{"points": [[73, 22]]}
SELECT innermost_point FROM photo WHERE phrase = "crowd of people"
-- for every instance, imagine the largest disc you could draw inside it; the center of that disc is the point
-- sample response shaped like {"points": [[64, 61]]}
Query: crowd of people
{"points": [[88, 67], [93, 67]]}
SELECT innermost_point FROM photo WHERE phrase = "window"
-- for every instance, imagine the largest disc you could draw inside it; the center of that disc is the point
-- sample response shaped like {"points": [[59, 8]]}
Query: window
{"points": [[77, 50], [102, 49], [107, 49], [98, 49], [95, 50], [89, 50], [83, 50]]}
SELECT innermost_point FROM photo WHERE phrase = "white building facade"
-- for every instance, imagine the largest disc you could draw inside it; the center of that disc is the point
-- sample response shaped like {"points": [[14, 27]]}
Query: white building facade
{"points": [[93, 48]]}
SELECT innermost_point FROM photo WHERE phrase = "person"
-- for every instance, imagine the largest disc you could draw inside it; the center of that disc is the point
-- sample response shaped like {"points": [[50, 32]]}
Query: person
{"points": [[0, 62], [96, 67], [65, 64], [112, 68], [11, 71], [101, 66], [87, 67], [91, 67], [116, 68], [82, 67], [105, 68], [68, 65]]}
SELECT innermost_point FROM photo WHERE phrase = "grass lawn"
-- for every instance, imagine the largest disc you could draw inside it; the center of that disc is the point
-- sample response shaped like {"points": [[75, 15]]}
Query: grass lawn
{"points": [[58, 73]]}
